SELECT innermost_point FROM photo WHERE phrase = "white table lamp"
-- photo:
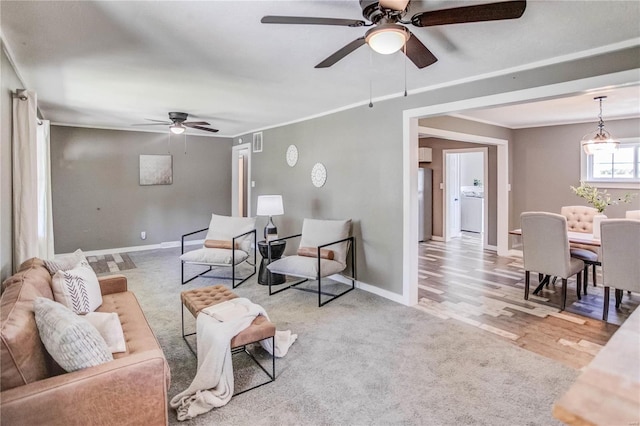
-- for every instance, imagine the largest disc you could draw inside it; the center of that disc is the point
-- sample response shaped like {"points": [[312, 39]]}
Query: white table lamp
{"points": [[270, 205]]}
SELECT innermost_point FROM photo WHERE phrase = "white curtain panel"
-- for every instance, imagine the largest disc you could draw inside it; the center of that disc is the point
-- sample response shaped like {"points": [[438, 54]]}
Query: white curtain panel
{"points": [[45, 211], [26, 206]]}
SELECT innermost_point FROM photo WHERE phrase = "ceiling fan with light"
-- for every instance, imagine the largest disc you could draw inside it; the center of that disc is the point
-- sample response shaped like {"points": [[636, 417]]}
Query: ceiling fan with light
{"points": [[389, 33], [179, 123]]}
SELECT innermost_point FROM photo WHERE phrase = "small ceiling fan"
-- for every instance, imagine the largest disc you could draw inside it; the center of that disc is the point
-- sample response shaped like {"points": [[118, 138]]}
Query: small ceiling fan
{"points": [[179, 123], [389, 33]]}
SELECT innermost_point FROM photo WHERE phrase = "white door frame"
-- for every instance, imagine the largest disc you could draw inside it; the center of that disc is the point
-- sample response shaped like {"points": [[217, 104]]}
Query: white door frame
{"points": [[235, 150], [410, 162], [485, 179]]}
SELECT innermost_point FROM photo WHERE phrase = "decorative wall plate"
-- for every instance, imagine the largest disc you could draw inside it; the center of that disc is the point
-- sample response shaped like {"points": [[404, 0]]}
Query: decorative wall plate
{"points": [[318, 175], [292, 155]]}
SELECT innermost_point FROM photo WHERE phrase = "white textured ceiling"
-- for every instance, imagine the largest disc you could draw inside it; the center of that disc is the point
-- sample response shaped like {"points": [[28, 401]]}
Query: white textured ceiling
{"points": [[115, 63]]}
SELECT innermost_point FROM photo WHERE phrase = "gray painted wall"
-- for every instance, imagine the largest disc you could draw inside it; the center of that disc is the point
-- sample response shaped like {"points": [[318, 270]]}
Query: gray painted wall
{"points": [[99, 204], [9, 83], [547, 162], [362, 149]]}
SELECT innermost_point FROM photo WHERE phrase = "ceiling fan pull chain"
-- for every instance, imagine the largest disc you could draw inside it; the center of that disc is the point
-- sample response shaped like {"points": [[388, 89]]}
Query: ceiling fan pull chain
{"points": [[185, 143], [370, 78], [169, 144], [405, 70]]}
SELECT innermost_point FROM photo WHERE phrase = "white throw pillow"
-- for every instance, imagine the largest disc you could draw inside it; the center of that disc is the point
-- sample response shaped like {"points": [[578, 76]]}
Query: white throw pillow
{"points": [[64, 262], [70, 340], [317, 232], [213, 256], [78, 289], [108, 324], [226, 227]]}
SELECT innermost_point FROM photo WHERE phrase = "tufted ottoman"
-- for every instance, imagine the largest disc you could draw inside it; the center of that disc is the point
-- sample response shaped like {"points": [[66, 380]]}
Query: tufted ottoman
{"points": [[260, 329]]}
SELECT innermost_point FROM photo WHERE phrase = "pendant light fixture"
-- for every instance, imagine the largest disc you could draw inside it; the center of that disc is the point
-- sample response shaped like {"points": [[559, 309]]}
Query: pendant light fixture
{"points": [[600, 140]]}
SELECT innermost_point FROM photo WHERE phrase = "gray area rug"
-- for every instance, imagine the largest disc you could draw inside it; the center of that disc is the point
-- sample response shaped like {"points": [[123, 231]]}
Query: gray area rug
{"points": [[110, 263], [360, 360]]}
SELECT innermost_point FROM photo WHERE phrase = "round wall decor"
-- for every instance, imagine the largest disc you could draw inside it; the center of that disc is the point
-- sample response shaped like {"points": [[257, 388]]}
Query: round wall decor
{"points": [[318, 175], [292, 155]]}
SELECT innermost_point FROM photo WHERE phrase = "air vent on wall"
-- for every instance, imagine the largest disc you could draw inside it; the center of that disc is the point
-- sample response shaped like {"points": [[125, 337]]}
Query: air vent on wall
{"points": [[424, 155]]}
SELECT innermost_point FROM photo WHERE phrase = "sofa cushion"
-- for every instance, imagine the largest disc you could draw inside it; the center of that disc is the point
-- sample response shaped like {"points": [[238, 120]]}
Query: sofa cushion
{"points": [[70, 339], [109, 327], [22, 354], [78, 289]]}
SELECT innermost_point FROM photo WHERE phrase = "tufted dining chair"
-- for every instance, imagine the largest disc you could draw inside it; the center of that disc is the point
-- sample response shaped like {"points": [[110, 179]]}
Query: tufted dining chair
{"points": [[545, 249], [620, 266], [580, 219]]}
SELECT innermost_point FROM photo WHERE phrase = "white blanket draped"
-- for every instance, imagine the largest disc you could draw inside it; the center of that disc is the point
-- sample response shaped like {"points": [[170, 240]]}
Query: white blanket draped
{"points": [[212, 387]]}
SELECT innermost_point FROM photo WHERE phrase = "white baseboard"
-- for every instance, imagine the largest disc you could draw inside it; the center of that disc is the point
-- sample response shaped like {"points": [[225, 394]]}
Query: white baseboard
{"points": [[394, 297], [436, 238], [492, 248]]}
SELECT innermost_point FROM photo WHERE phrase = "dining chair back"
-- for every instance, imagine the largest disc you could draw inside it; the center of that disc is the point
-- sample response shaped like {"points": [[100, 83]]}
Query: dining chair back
{"points": [[632, 214], [620, 266], [580, 219], [545, 246]]}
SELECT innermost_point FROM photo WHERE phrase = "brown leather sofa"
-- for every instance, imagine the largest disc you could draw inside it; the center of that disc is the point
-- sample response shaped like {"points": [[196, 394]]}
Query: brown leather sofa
{"points": [[131, 389]]}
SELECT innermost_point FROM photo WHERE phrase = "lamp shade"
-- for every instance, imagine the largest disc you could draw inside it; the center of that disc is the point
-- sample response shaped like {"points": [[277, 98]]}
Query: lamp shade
{"points": [[269, 205]]}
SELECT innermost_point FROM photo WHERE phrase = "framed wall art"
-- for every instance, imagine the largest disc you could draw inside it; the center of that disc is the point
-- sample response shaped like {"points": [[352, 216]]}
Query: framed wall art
{"points": [[156, 169]]}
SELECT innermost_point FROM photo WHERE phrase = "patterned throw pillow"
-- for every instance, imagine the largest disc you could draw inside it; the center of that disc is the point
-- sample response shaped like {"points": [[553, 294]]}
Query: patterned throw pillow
{"points": [[70, 340], [64, 262], [78, 289]]}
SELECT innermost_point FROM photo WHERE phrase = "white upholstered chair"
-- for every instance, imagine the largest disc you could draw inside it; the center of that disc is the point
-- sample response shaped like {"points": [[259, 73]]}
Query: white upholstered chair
{"points": [[632, 214], [580, 219], [228, 243], [323, 251], [545, 247], [620, 266]]}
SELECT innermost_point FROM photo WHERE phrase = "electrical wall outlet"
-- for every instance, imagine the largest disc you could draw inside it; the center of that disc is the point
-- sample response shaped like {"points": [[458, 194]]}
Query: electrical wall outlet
{"points": [[143, 235]]}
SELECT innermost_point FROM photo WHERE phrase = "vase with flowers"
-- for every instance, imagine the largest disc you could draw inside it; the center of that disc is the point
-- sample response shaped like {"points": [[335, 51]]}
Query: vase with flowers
{"points": [[599, 200]]}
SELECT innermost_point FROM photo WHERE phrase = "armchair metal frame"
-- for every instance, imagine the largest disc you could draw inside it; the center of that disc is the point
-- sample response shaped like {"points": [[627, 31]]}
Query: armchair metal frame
{"points": [[352, 249], [211, 265]]}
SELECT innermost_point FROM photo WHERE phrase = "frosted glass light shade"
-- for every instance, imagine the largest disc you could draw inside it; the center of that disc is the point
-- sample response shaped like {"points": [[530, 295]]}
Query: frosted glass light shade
{"points": [[387, 39], [177, 129], [270, 205]]}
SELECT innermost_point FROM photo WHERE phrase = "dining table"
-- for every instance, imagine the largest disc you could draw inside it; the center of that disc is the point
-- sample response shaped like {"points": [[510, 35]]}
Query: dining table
{"points": [[583, 238]]}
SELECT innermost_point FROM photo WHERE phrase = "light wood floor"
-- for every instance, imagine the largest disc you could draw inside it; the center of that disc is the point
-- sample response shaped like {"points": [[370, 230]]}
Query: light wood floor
{"points": [[459, 281]]}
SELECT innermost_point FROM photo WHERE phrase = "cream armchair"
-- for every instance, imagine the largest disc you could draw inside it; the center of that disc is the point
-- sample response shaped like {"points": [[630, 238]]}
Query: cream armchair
{"points": [[228, 243], [323, 250]]}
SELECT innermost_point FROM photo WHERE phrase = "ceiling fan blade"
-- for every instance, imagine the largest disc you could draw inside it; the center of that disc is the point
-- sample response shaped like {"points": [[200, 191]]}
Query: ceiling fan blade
{"points": [[195, 123], [206, 129], [342, 53], [476, 13], [157, 123], [418, 53], [394, 4], [311, 21]]}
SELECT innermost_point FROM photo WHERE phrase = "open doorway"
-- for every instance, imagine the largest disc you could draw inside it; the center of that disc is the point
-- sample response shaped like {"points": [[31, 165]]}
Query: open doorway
{"points": [[465, 202], [241, 180]]}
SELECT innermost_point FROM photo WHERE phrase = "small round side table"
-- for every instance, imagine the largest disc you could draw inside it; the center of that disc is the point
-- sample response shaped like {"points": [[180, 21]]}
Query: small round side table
{"points": [[277, 249]]}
